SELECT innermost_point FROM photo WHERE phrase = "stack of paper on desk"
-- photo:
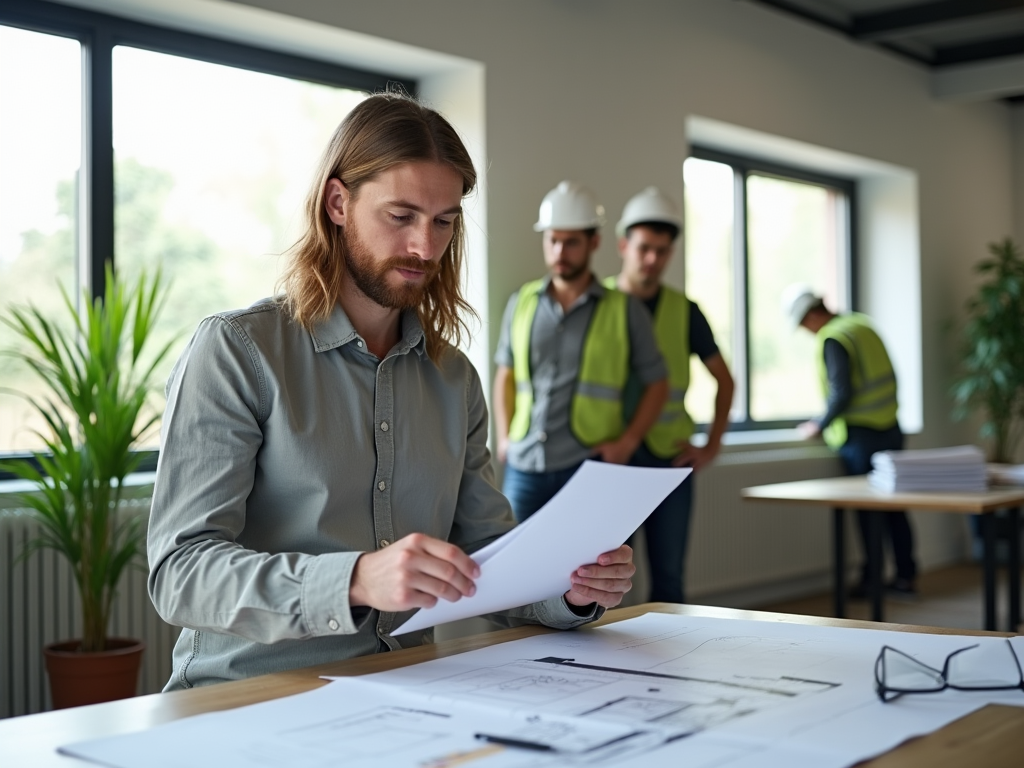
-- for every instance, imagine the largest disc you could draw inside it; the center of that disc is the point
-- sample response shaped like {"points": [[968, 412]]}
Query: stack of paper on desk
{"points": [[595, 512], [961, 468], [1006, 474]]}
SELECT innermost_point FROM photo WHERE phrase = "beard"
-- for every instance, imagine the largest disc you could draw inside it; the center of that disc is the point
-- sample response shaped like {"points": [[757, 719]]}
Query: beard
{"points": [[370, 274], [572, 272]]}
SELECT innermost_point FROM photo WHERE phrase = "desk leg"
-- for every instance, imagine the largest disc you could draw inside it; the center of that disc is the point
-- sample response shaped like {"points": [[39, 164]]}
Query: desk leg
{"points": [[1014, 569], [839, 560], [988, 531], [874, 556]]}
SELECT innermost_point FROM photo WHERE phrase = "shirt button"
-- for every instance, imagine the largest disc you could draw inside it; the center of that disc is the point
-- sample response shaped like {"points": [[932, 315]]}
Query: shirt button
{"points": [[359, 343], [543, 436], [384, 542], [384, 426], [333, 625], [381, 486]]}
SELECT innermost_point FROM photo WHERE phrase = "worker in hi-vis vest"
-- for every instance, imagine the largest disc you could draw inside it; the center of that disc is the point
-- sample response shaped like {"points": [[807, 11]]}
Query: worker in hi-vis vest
{"points": [[859, 383], [647, 235], [567, 347]]}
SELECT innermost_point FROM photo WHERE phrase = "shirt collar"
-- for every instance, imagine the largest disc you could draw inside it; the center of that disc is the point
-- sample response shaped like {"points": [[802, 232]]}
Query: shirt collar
{"points": [[595, 289], [337, 330]]}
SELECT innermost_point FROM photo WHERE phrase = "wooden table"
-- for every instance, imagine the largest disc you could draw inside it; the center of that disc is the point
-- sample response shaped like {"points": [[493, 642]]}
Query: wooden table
{"points": [[992, 737], [841, 493]]}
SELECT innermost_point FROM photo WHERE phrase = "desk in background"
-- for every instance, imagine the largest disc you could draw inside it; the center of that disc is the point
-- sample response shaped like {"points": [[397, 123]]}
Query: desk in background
{"points": [[992, 737], [842, 493]]}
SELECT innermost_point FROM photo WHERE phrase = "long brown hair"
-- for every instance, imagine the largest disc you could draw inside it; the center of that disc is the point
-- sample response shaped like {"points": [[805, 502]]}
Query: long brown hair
{"points": [[385, 130]]}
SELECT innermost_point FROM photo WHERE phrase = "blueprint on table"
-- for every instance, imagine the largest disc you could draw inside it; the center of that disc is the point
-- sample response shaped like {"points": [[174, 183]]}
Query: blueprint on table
{"points": [[652, 691]]}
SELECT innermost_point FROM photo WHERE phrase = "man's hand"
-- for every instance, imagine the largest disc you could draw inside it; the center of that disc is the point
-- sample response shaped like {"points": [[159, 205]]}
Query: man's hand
{"points": [[808, 430], [603, 582], [693, 456], [412, 573], [616, 452], [501, 448]]}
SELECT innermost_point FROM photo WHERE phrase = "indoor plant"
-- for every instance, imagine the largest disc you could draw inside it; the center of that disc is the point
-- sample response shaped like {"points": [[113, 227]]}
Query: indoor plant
{"points": [[992, 361], [96, 375]]}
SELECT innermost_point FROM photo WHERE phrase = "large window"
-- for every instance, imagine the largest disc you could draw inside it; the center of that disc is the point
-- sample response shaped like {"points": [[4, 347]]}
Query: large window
{"points": [[751, 230], [149, 148]]}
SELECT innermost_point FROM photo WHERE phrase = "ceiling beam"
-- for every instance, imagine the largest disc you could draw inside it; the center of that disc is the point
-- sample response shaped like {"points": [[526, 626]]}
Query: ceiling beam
{"points": [[979, 81], [913, 18], [979, 51]]}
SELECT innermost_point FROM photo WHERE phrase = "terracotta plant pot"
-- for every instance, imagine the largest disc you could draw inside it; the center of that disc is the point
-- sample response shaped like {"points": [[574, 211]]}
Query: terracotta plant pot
{"points": [[78, 678]]}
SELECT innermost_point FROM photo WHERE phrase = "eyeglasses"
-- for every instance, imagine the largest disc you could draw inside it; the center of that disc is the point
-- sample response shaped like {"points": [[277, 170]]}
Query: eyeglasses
{"points": [[996, 668]]}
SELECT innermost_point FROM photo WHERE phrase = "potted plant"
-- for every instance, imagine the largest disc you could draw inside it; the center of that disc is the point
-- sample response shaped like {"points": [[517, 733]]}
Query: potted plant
{"points": [[96, 376], [992, 364]]}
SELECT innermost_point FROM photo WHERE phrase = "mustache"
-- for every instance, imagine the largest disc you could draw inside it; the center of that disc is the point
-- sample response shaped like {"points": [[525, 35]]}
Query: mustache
{"points": [[429, 268]]}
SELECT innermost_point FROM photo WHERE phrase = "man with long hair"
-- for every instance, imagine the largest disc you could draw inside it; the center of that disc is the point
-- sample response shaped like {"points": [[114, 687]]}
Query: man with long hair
{"points": [[324, 467]]}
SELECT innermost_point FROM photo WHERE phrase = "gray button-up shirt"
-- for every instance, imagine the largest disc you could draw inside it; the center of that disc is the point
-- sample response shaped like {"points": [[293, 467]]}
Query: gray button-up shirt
{"points": [[556, 346], [285, 454]]}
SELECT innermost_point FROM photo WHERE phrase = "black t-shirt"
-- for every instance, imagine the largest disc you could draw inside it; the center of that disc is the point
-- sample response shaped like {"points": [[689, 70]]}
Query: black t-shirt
{"points": [[702, 340]]}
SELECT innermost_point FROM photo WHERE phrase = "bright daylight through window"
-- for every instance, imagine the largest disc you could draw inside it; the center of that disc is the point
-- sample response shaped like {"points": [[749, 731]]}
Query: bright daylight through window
{"points": [[751, 232], [211, 166], [40, 154]]}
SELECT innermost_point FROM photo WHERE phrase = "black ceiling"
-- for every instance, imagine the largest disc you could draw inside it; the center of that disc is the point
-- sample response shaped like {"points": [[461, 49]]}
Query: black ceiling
{"points": [[939, 33]]}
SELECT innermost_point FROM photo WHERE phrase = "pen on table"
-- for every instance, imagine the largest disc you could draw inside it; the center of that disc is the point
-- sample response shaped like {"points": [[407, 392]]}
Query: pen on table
{"points": [[505, 741]]}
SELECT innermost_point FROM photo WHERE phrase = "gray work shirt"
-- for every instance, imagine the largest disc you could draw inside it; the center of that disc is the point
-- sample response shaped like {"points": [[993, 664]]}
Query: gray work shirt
{"points": [[556, 346], [285, 454]]}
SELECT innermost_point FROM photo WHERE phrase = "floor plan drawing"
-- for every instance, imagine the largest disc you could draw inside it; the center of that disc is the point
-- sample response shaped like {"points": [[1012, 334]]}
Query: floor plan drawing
{"points": [[658, 690]]}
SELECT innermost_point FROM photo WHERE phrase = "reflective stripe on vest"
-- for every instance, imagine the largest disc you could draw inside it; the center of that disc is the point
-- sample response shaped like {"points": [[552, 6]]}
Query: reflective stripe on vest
{"points": [[871, 377], [596, 409]]}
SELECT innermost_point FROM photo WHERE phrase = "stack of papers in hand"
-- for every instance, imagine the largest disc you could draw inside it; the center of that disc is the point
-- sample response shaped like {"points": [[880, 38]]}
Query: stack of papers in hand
{"points": [[961, 468]]}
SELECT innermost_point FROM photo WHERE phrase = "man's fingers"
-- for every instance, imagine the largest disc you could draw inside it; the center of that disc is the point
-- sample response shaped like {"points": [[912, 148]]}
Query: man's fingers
{"points": [[421, 585], [445, 572], [583, 595], [618, 571], [623, 554], [612, 585], [442, 550]]}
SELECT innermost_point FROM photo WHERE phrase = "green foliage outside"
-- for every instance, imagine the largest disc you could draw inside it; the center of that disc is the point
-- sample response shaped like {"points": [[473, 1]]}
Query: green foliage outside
{"points": [[96, 373], [992, 363]]}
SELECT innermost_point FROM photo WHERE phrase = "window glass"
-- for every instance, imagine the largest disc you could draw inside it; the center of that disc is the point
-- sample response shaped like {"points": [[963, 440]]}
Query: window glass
{"points": [[793, 232], [212, 165], [40, 154], [709, 268]]}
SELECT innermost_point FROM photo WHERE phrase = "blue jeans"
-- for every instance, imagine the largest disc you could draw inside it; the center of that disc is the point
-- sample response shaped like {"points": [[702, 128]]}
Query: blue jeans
{"points": [[667, 531], [529, 491], [861, 443]]}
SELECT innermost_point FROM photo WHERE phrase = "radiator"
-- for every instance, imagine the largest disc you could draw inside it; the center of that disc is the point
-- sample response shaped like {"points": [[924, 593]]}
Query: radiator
{"points": [[740, 547], [39, 605]]}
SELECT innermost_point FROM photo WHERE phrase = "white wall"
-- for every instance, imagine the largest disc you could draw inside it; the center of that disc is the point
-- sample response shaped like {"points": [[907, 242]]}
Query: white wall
{"points": [[600, 91]]}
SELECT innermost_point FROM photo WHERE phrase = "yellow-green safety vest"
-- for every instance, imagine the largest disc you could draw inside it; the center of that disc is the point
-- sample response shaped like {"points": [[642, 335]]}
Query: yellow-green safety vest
{"points": [[871, 376], [596, 410], [672, 332]]}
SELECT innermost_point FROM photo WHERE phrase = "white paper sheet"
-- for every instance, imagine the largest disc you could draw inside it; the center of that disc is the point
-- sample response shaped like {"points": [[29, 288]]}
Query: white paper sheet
{"points": [[654, 691], [596, 511]]}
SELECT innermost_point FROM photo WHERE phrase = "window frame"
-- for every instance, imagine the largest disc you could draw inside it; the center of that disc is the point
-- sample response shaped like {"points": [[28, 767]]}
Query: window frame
{"points": [[744, 166], [98, 34]]}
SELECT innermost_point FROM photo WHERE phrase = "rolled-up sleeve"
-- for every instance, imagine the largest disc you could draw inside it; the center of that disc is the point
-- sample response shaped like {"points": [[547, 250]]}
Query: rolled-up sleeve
{"points": [[200, 576], [483, 514]]}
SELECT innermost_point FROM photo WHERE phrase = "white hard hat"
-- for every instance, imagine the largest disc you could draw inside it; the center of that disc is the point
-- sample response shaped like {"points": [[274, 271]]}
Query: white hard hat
{"points": [[569, 206], [797, 300], [651, 205]]}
